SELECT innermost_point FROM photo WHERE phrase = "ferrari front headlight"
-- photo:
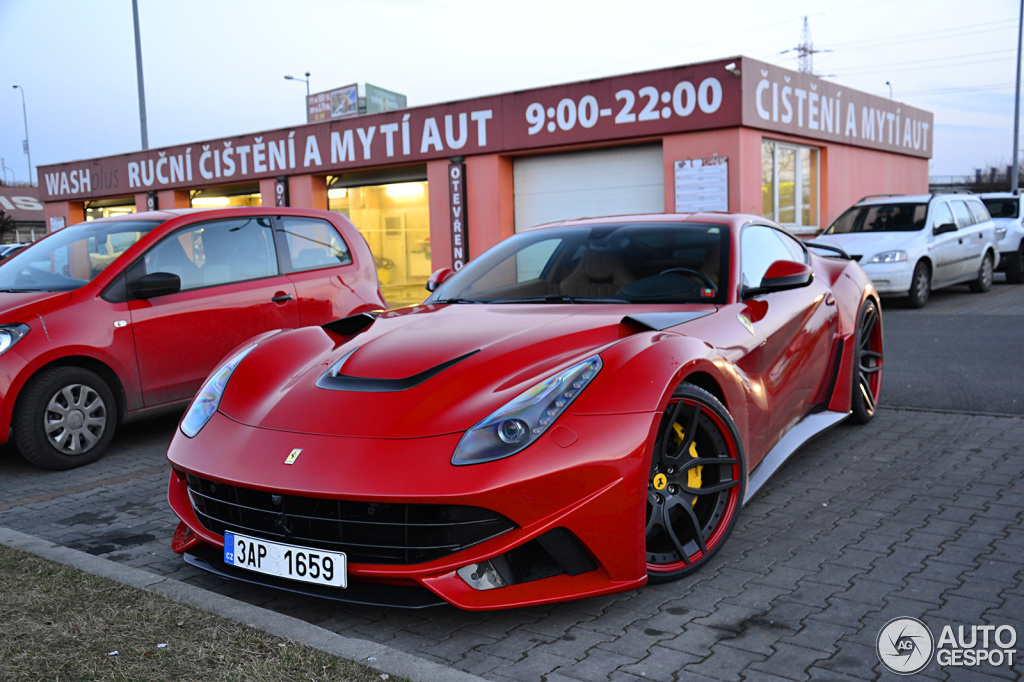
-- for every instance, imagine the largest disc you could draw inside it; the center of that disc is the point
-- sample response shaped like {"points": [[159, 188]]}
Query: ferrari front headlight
{"points": [[526, 417], [207, 400], [889, 257]]}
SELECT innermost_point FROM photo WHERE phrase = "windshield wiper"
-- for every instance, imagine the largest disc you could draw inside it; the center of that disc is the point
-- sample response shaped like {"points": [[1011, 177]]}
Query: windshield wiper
{"points": [[458, 300]]}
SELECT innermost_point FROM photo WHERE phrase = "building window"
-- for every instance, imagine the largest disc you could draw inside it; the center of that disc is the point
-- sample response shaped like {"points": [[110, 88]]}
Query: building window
{"points": [[105, 209], [395, 220], [789, 185]]}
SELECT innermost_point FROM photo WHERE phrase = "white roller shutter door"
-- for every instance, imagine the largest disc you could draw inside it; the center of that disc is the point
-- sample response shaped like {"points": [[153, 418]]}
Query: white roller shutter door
{"points": [[588, 184]]}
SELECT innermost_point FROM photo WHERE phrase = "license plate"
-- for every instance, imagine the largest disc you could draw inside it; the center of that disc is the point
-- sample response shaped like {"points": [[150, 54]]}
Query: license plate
{"points": [[285, 561]]}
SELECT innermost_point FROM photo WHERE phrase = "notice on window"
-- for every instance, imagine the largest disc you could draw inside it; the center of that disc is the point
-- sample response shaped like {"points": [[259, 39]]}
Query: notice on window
{"points": [[702, 184]]}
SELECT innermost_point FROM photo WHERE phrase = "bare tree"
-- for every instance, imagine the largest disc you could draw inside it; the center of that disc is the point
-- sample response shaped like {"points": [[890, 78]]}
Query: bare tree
{"points": [[6, 226]]}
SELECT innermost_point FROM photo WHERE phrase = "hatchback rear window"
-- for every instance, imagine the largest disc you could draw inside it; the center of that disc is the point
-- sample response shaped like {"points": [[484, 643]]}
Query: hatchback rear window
{"points": [[314, 244]]}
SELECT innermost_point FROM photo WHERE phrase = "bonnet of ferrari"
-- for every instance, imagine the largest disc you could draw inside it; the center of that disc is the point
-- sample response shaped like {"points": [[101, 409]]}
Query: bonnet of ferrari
{"points": [[425, 371]]}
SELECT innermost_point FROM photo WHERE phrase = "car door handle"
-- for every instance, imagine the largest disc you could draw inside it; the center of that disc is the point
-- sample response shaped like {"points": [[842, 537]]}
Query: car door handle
{"points": [[282, 298]]}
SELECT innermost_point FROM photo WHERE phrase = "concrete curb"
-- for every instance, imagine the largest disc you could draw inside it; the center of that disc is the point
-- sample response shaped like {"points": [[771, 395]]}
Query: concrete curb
{"points": [[377, 656]]}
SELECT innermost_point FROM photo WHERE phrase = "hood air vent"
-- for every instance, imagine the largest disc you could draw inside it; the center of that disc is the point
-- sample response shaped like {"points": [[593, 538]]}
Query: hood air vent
{"points": [[334, 380]]}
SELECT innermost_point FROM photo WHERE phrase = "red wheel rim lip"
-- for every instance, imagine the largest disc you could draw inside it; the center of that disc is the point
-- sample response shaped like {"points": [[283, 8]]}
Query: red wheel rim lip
{"points": [[874, 345], [731, 507]]}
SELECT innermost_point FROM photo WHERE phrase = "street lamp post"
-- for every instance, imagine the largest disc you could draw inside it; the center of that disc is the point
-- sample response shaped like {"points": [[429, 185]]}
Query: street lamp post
{"points": [[138, 76], [304, 80], [28, 152], [1015, 169]]}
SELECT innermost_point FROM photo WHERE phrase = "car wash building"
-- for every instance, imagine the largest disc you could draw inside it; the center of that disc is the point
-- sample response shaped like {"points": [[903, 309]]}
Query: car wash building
{"points": [[433, 186], [21, 204]]}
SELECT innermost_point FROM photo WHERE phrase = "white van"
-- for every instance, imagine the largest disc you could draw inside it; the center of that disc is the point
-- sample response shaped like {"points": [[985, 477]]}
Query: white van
{"points": [[1005, 208], [910, 245]]}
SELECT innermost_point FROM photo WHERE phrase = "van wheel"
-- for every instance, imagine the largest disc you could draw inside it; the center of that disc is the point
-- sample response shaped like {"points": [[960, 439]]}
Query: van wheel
{"points": [[920, 286], [1015, 266], [64, 418], [984, 280]]}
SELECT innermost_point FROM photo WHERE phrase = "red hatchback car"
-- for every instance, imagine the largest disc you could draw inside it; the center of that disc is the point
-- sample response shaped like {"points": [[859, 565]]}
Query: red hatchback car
{"points": [[118, 317]]}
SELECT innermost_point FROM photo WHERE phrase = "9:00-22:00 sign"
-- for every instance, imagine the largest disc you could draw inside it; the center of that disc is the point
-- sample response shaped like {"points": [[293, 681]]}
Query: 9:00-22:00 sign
{"points": [[654, 105]]}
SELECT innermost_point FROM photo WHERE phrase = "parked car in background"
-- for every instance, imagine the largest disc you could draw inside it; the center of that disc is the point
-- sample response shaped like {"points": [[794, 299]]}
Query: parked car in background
{"points": [[8, 250], [583, 408], [1005, 208], [912, 245], [114, 318]]}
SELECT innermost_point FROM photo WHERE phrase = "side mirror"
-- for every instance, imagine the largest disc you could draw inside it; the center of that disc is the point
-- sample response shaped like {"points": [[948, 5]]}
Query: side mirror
{"points": [[944, 229], [781, 276], [438, 278], [154, 284]]}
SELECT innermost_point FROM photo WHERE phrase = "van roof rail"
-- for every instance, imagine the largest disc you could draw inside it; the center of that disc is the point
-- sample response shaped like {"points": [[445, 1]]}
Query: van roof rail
{"points": [[878, 196]]}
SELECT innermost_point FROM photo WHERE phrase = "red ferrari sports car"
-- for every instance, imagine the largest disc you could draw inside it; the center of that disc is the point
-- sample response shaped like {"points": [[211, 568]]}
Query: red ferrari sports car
{"points": [[580, 410]]}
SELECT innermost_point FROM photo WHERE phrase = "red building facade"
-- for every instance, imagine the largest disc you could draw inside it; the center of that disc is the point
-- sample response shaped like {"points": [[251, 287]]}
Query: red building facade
{"points": [[432, 186]]}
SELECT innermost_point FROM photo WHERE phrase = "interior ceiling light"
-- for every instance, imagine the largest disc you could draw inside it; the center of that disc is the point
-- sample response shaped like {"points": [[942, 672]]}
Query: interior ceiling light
{"points": [[211, 201], [404, 189], [337, 193]]}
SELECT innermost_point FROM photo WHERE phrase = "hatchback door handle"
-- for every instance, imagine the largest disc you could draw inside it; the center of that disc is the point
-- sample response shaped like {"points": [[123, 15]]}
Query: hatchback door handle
{"points": [[282, 298]]}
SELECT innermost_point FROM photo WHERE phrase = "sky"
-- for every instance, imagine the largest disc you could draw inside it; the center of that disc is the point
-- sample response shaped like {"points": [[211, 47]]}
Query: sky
{"points": [[215, 68]]}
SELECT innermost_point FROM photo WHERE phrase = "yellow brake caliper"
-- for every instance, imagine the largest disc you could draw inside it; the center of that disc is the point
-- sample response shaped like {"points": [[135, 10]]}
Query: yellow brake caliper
{"points": [[693, 479]]}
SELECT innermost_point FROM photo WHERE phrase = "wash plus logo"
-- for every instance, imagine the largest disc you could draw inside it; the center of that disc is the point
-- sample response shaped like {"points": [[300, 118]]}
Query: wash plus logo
{"points": [[905, 646]]}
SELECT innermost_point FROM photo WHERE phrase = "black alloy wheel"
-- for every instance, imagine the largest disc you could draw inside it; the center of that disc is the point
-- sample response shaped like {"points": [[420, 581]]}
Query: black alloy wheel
{"points": [[867, 363], [696, 484]]}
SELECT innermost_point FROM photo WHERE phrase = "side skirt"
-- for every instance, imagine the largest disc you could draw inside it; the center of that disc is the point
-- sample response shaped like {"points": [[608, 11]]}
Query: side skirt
{"points": [[810, 426]]}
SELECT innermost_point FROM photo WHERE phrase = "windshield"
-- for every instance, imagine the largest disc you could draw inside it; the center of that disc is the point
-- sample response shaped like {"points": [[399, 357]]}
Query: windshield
{"points": [[895, 217], [613, 263], [1008, 207], [71, 257]]}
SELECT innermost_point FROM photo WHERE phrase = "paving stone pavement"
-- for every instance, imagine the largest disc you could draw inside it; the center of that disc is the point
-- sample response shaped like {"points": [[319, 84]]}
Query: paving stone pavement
{"points": [[917, 514]]}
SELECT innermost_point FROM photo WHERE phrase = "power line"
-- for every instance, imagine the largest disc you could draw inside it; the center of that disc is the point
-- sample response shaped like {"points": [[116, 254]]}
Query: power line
{"points": [[968, 88], [897, 67], [960, 56], [940, 34]]}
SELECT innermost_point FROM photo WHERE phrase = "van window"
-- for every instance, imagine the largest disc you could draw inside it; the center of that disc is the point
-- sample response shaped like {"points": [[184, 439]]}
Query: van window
{"points": [[962, 214], [943, 216], [1000, 207], [889, 217], [979, 211]]}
